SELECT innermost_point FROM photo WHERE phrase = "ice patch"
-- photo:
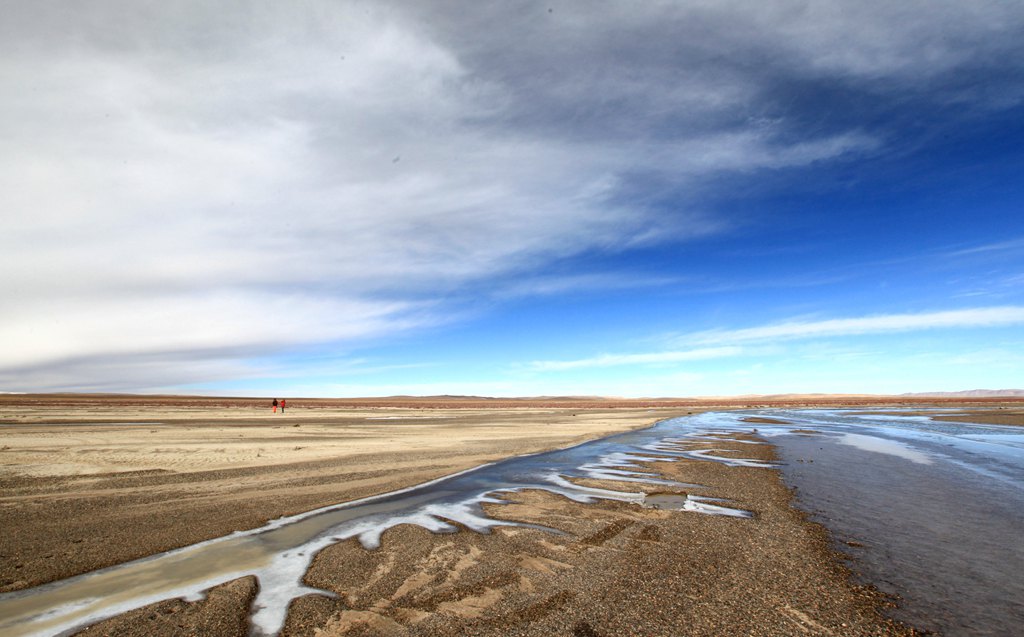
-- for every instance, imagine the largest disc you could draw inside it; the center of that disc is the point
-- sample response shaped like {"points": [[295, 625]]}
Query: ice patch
{"points": [[886, 446]]}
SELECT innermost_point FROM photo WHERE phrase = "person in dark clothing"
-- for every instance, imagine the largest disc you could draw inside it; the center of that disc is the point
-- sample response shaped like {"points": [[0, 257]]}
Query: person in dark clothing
{"points": [[274, 405]]}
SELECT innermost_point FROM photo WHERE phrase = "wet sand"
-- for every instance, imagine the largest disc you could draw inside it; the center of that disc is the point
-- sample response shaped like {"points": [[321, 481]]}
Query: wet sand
{"points": [[1006, 415], [77, 497], [765, 421]]}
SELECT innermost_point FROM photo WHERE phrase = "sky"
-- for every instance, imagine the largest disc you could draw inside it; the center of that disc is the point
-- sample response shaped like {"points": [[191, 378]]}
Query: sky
{"points": [[687, 198]]}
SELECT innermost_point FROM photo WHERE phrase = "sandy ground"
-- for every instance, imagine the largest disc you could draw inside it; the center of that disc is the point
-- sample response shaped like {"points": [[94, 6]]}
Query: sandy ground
{"points": [[87, 485], [77, 497], [619, 569]]}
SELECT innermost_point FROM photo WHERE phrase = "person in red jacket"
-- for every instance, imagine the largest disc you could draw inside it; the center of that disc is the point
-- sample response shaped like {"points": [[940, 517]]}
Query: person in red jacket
{"points": [[283, 401]]}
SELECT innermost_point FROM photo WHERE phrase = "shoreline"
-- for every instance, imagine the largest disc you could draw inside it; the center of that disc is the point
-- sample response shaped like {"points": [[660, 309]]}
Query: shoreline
{"points": [[819, 559]]}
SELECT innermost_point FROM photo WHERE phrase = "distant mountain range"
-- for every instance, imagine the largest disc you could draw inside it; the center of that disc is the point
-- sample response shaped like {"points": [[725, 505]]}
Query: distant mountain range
{"points": [[456, 398], [971, 393]]}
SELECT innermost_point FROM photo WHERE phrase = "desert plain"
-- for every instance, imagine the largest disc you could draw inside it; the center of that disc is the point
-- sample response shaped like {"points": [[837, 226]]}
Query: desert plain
{"points": [[88, 482]]}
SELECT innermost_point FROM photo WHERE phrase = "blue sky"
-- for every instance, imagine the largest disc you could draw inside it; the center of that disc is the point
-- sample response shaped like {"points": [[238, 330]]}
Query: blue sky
{"points": [[622, 199]]}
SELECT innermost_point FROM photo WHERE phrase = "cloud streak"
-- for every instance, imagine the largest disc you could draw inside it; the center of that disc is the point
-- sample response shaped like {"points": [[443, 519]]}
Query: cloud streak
{"points": [[983, 317], [651, 358], [733, 343]]}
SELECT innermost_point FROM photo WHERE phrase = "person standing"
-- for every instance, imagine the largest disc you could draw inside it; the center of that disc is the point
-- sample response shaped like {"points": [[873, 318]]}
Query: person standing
{"points": [[283, 401], [274, 405]]}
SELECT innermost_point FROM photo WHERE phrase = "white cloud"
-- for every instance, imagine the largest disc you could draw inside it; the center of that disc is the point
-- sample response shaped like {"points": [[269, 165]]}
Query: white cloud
{"points": [[574, 283], [974, 317], [651, 358], [994, 357], [1012, 245], [908, 40], [735, 343], [196, 178], [59, 330]]}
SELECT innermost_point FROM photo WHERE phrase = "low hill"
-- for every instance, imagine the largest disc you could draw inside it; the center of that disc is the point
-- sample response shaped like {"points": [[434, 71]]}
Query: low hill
{"points": [[972, 393]]}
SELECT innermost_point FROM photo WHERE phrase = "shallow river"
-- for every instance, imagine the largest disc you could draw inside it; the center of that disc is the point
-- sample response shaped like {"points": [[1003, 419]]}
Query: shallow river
{"points": [[939, 508]]}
